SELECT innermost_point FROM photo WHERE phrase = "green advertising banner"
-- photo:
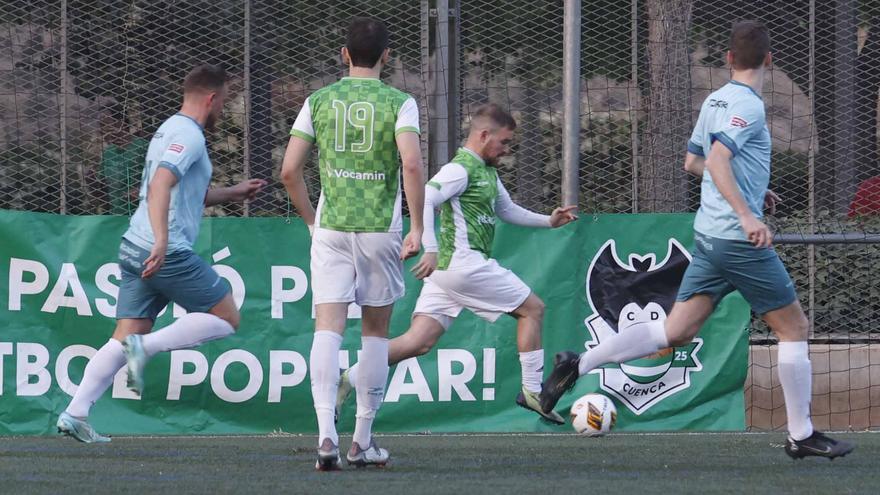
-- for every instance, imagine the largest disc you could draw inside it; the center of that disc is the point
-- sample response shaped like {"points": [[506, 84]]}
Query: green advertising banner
{"points": [[59, 282]]}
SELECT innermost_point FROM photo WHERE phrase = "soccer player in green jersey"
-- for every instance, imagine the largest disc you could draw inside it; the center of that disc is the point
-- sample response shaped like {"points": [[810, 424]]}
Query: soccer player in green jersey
{"points": [[364, 129], [459, 272]]}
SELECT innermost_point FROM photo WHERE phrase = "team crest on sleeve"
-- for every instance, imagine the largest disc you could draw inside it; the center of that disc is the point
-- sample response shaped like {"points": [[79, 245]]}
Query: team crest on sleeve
{"points": [[624, 294], [737, 121]]}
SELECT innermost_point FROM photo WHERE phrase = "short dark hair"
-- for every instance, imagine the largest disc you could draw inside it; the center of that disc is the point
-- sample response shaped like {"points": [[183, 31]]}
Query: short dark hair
{"points": [[204, 78], [367, 39], [749, 44], [497, 115]]}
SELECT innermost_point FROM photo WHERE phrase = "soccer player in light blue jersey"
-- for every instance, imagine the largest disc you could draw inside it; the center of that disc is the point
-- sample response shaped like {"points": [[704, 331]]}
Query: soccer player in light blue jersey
{"points": [[156, 259], [730, 149]]}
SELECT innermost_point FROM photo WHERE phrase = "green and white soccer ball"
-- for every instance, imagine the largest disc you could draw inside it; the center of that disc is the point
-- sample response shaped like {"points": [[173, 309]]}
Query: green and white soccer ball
{"points": [[593, 415]]}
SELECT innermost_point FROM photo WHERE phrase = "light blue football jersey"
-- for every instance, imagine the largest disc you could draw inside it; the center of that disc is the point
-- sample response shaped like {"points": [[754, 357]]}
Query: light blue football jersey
{"points": [[733, 115], [179, 146]]}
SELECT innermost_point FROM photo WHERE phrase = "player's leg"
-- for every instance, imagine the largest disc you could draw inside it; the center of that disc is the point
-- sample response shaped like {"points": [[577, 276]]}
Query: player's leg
{"points": [[97, 378], [702, 286], [529, 316], [642, 339], [762, 279], [418, 340], [370, 385], [529, 319], [136, 309], [330, 320], [790, 325], [333, 288], [379, 275], [433, 314], [190, 282]]}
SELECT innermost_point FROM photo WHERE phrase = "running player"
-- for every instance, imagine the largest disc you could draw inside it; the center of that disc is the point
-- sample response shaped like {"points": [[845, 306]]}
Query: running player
{"points": [[156, 257], [730, 148]]}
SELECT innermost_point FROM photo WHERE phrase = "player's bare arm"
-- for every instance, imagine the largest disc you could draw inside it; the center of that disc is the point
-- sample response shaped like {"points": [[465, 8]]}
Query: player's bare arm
{"points": [[158, 199], [718, 164], [414, 187], [244, 190], [295, 158], [694, 164]]}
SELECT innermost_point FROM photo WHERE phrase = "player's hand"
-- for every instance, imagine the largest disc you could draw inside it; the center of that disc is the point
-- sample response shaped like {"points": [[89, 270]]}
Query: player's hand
{"points": [[412, 244], [155, 260], [563, 215], [771, 199], [247, 189], [425, 266], [756, 231]]}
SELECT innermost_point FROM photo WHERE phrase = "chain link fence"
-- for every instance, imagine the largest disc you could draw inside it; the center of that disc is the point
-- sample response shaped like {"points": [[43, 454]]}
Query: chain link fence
{"points": [[84, 83]]}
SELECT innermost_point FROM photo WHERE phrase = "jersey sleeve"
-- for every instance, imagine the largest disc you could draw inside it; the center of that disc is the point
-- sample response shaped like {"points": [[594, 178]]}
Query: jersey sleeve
{"points": [[407, 118], [433, 199], [184, 149], [451, 181], [513, 213], [302, 126], [739, 125]]}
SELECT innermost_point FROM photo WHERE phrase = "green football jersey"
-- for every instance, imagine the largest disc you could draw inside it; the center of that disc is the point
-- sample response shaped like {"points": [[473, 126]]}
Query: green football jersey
{"points": [[354, 123], [467, 220]]}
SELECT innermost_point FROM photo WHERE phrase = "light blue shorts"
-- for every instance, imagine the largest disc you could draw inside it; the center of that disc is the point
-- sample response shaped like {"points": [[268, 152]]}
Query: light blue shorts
{"points": [[720, 266], [184, 279]]}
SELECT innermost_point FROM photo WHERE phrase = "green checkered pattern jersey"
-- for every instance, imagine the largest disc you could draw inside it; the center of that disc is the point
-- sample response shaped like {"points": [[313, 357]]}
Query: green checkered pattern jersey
{"points": [[467, 221], [354, 121]]}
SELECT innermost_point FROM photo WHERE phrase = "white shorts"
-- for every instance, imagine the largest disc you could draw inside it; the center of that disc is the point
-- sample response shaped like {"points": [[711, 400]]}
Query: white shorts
{"points": [[487, 289], [359, 267]]}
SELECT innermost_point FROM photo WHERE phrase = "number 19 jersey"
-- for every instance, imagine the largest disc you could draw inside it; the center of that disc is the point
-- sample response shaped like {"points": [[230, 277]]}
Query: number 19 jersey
{"points": [[354, 123]]}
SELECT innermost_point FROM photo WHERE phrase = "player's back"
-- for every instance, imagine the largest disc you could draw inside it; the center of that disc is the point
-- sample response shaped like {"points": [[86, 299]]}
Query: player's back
{"points": [[178, 146], [733, 115], [355, 123]]}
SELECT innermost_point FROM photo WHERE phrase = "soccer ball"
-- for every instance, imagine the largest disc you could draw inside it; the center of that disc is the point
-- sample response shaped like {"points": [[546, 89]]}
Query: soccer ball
{"points": [[593, 415]]}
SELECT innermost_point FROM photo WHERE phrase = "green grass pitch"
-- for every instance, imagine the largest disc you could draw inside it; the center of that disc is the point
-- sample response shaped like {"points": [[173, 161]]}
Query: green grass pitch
{"points": [[460, 464]]}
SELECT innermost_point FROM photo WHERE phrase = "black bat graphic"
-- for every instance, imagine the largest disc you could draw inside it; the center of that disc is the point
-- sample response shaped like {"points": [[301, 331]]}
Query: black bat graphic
{"points": [[612, 285]]}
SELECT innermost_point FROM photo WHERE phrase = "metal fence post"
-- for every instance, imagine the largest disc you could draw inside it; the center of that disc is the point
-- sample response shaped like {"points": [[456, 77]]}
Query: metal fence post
{"points": [[571, 97], [634, 113], [453, 109], [62, 112], [444, 100], [439, 137], [246, 76]]}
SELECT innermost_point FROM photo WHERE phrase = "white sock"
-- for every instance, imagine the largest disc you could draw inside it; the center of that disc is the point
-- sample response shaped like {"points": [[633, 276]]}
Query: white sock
{"points": [[188, 331], [324, 372], [796, 377], [639, 340], [370, 387], [97, 378], [532, 363], [353, 374]]}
